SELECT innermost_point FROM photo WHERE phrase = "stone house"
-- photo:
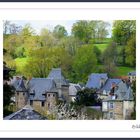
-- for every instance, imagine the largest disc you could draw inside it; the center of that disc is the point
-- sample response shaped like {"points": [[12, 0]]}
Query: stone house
{"points": [[102, 83], [120, 103], [41, 93], [25, 113], [73, 89], [21, 94], [97, 80], [132, 76]]}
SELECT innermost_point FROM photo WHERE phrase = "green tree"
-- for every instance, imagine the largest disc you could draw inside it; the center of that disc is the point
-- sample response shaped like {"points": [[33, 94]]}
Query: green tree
{"points": [[109, 59], [123, 30], [39, 63], [84, 63], [47, 39], [87, 97], [8, 91], [81, 30], [59, 31], [130, 51]]}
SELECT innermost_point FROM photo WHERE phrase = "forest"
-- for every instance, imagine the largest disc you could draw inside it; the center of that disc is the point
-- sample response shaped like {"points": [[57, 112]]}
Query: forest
{"points": [[88, 49]]}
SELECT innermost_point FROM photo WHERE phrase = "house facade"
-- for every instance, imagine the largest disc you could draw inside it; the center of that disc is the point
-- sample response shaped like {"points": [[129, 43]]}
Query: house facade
{"points": [[132, 76], [102, 83], [41, 93], [120, 103]]}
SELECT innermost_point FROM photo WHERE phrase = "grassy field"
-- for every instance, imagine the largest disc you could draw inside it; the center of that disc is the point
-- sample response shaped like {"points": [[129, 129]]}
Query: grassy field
{"points": [[124, 70], [120, 70], [101, 47]]}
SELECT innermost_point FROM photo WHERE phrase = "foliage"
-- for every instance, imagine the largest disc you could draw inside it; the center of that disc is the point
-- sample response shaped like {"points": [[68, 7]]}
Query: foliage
{"points": [[87, 97], [94, 114], [84, 63], [59, 31], [131, 51], [66, 112], [133, 114], [8, 92], [123, 30], [86, 30], [109, 58], [78, 54]]}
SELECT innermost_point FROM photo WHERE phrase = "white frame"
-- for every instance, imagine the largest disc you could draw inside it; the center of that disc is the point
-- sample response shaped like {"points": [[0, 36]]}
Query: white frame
{"points": [[67, 11]]}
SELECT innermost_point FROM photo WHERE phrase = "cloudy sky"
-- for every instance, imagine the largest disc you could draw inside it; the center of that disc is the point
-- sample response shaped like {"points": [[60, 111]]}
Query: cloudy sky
{"points": [[50, 24]]}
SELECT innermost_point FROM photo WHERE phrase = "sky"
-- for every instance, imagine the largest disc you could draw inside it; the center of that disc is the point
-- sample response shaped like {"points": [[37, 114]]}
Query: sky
{"points": [[37, 25]]}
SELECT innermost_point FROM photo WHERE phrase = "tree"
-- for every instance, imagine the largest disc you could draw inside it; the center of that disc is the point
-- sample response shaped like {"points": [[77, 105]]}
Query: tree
{"points": [[86, 30], [110, 58], [8, 91], [130, 51], [59, 31], [10, 28], [122, 30], [84, 63], [81, 30], [47, 39], [39, 63], [6, 25], [66, 112], [133, 114], [87, 97], [101, 30]]}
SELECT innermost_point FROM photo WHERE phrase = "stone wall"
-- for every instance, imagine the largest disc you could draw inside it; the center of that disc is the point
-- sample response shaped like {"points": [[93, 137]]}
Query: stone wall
{"points": [[128, 109], [51, 100], [118, 110], [65, 93], [21, 99]]}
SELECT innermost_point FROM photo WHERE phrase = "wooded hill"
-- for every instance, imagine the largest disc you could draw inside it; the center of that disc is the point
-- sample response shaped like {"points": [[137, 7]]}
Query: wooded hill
{"points": [[85, 51]]}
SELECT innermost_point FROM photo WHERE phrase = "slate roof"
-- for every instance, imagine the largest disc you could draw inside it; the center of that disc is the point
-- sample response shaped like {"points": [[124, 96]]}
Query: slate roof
{"points": [[26, 113], [123, 92], [109, 82], [133, 73], [39, 86], [77, 88], [94, 80], [73, 89], [18, 84], [56, 74]]}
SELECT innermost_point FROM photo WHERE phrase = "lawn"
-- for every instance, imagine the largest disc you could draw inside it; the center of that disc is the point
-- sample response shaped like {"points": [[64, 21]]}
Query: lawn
{"points": [[124, 70], [101, 47], [121, 70]]}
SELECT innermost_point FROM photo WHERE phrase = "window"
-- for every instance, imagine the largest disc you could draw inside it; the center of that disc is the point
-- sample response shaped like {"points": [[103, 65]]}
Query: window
{"points": [[48, 95], [53, 95], [48, 105], [111, 105], [31, 102], [111, 115], [42, 103]]}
